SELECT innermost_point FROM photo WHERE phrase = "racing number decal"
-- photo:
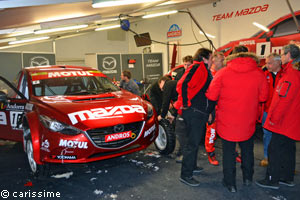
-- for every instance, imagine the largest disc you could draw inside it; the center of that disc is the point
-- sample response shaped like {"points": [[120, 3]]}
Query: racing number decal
{"points": [[3, 120], [263, 49], [15, 119]]}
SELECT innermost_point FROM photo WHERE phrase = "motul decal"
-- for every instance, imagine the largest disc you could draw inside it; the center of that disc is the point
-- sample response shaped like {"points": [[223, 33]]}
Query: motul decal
{"points": [[46, 75], [150, 130], [73, 144], [98, 113], [118, 136]]}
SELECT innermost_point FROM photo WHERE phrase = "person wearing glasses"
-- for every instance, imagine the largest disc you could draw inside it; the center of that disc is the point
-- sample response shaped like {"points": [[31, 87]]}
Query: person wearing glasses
{"points": [[283, 121]]}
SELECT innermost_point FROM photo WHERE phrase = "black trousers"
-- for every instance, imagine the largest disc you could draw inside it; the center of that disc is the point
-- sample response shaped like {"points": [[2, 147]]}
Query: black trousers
{"points": [[229, 163], [282, 158], [195, 123], [181, 133]]}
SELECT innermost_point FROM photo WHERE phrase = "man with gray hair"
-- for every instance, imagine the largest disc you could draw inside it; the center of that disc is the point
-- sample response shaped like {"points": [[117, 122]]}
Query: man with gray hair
{"points": [[284, 121], [273, 73]]}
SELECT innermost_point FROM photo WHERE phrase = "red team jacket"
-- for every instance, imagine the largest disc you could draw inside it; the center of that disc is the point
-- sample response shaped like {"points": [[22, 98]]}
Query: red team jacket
{"points": [[239, 88], [284, 112]]}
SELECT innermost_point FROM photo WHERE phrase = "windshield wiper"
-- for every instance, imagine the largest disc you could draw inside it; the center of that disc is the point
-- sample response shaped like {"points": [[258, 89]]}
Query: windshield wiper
{"points": [[83, 92]]}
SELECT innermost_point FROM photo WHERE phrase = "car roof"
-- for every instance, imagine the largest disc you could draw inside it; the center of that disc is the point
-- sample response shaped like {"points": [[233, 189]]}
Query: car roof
{"points": [[57, 68]]}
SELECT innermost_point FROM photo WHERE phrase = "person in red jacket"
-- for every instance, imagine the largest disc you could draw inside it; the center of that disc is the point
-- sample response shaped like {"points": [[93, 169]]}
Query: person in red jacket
{"points": [[211, 135], [238, 89], [284, 121], [273, 74], [195, 109]]}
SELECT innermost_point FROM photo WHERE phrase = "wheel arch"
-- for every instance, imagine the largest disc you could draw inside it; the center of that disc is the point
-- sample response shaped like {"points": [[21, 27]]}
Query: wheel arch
{"points": [[31, 121]]}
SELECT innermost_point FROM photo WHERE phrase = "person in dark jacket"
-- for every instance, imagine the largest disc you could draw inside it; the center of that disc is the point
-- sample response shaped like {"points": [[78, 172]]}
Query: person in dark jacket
{"points": [[195, 109], [128, 84], [169, 94], [238, 88], [155, 94], [283, 121]]}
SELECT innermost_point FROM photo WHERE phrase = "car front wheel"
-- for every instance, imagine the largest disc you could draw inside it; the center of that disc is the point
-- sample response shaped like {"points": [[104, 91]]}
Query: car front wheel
{"points": [[166, 140]]}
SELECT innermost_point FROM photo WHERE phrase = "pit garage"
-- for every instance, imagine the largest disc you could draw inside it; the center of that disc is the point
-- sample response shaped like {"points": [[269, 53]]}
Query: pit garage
{"points": [[68, 131]]}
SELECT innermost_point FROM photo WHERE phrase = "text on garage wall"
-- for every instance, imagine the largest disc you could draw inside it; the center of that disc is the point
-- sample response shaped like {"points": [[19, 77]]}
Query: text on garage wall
{"points": [[239, 13]]}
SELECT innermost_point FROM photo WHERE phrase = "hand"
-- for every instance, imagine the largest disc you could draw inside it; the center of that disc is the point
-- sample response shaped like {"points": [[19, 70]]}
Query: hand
{"points": [[209, 118], [159, 117], [171, 118], [184, 108]]}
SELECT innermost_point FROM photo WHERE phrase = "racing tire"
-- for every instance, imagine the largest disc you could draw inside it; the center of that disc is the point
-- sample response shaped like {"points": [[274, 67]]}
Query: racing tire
{"points": [[166, 139], [37, 170]]}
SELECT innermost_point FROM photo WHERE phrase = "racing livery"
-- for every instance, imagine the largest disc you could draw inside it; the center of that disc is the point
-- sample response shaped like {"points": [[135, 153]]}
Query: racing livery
{"points": [[282, 31], [70, 114]]}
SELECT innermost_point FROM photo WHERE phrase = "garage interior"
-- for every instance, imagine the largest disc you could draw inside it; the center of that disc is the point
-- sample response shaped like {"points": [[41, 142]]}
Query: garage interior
{"points": [[146, 174]]}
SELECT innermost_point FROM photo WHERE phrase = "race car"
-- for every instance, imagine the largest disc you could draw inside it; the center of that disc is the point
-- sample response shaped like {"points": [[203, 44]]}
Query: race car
{"points": [[71, 114], [282, 31]]}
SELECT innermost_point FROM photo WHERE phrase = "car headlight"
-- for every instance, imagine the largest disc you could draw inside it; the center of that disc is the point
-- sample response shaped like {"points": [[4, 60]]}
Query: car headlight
{"points": [[149, 111], [57, 126]]}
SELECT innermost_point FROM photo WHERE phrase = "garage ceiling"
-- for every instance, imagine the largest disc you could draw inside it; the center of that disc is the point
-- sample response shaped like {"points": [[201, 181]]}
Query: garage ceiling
{"points": [[20, 16]]}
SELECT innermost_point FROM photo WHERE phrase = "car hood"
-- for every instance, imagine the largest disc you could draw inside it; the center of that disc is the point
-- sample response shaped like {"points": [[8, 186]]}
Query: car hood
{"points": [[95, 111]]}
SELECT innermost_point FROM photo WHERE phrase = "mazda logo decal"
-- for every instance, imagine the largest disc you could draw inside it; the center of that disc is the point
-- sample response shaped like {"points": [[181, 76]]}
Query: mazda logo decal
{"points": [[39, 61], [109, 63], [118, 128]]}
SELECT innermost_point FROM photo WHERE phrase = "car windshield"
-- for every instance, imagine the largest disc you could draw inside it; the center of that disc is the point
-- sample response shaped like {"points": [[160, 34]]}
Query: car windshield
{"points": [[75, 85]]}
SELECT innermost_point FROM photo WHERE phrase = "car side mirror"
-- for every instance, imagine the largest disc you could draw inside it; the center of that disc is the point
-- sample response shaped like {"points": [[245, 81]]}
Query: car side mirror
{"points": [[3, 96]]}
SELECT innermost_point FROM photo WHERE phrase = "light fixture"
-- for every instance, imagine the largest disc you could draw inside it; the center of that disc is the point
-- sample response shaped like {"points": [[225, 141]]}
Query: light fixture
{"points": [[66, 28], [29, 40], [110, 3], [167, 3], [208, 35], [7, 40], [160, 14], [107, 27], [261, 26], [21, 33]]}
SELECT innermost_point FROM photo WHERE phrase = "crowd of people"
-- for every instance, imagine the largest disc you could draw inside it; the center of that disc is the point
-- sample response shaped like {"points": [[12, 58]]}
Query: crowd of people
{"points": [[213, 95]]}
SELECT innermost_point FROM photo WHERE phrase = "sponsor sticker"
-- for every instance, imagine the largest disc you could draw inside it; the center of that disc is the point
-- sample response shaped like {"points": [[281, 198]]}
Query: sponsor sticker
{"points": [[150, 130], [64, 157], [73, 144], [98, 113], [3, 120], [45, 146], [119, 136], [36, 76]]}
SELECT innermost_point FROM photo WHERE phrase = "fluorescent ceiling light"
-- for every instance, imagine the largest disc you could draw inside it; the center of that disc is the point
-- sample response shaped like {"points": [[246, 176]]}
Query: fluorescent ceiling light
{"points": [[261, 26], [166, 3], [61, 29], [7, 40], [208, 35], [110, 3], [29, 40], [160, 14], [107, 27], [21, 33]]}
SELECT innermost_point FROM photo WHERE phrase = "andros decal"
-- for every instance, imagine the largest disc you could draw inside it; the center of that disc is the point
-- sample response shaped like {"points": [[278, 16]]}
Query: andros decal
{"points": [[239, 13], [99, 113], [174, 31], [73, 144], [119, 136]]}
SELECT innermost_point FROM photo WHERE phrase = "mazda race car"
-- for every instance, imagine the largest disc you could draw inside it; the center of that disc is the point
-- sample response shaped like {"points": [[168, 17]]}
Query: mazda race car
{"points": [[282, 31], [68, 114]]}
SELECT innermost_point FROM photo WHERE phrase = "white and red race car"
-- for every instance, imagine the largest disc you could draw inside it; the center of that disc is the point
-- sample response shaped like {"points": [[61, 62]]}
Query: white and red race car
{"points": [[68, 114]]}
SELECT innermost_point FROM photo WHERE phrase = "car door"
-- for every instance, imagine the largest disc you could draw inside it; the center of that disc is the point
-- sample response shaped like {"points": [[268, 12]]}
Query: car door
{"points": [[12, 110]]}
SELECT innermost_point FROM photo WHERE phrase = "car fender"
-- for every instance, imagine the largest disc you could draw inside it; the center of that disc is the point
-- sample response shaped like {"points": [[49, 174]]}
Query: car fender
{"points": [[33, 118]]}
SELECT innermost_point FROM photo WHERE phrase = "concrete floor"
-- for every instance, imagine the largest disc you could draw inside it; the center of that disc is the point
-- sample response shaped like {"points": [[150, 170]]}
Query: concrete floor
{"points": [[143, 175]]}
